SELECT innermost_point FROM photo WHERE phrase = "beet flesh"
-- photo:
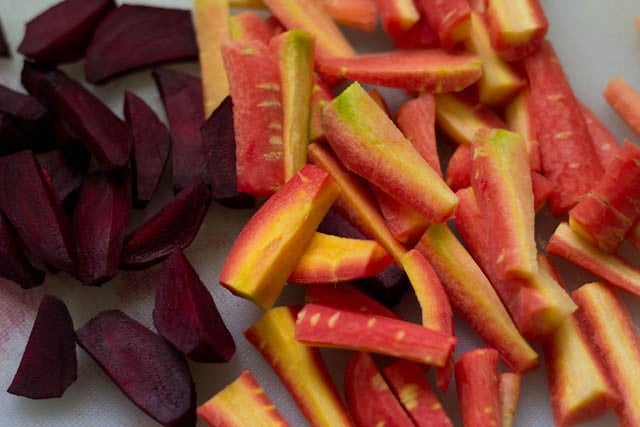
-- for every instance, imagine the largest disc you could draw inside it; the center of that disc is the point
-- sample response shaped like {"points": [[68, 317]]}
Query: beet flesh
{"points": [[65, 174], [151, 145], [28, 115], [35, 211], [136, 36], [5, 52], [182, 98], [86, 117], [100, 220], [11, 138], [186, 315], [14, 264], [149, 371], [388, 287], [218, 136], [49, 363], [62, 33], [175, 225]]}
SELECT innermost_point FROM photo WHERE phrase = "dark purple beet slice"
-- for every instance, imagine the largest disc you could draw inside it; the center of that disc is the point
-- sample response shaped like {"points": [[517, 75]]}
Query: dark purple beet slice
{"points": [[66, 176], [388, 287], [337, 225], [186, 315], [182, 97], [29, 201], [135, 36], [173, 226], [29, 116], [11, 138], [48, 364], [151, 144], [14, 264], [87, 117], [99, 223], [63, 32], [5, 52], [149, 371], [219, 139]]}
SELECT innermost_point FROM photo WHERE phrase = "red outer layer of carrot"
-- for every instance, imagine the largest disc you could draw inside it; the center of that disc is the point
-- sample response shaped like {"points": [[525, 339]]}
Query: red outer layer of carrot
{"points": [[477, 387], [568, 157], [606, 320], [408, 382], [416, 119], [325, 326], [451, 19], [604, 142]]}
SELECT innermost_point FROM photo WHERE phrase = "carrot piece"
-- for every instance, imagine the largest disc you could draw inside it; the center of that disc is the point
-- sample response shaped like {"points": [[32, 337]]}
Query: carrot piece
{"points": [[451, 19], [477, 387], [408, 382], [368, 396], [508, 395], [416, 119], [325, 326], [346, 297], [625, 100], [604, 142]]}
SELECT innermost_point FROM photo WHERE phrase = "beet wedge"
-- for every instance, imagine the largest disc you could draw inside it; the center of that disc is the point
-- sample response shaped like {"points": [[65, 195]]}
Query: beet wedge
{"points": [[29, 116], [87, 117], [325, 326], [12, 139], [186, 315], [417, 70], [100, 219], [151, 145], [34, 210], [14, 264], [5, 51], [182, 98], [173, 226], [369, 398], [134, 36], [150, 372], [300, 368], [63, 32], [241, 403], [388, 287], [66, 174], [219, 138], [49, 365]]}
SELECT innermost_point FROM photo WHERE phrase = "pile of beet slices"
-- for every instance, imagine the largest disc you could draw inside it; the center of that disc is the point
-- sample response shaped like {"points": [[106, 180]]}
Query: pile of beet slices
{"points": [[72, 171]]}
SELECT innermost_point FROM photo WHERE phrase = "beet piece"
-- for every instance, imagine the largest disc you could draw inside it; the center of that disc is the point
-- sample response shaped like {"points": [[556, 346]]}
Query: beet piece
{"points": [[173, 226], [387, 287], [100, 219], [14, 264], [133, 36], [335, 224], [66, 176], [30, 117], [86, 116], [62, 33], [150, 372], [182, 98], [218, 136], [186, 315], [33, 208], [49, 363], [11, 138], [5, 52], [151, 144]]}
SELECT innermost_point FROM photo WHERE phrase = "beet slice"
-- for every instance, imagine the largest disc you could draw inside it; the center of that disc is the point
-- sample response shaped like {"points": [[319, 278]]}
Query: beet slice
{"points": [[336, 224], [218, 136], [62, 33], [49, 364], [186, 315], [173, 226], [14, 264], [65, 174], [33, 208], [5, 52], [11, 138], [86, 116], [135, 36], [151, 144], [182, 97], [154, 375], [28, 115], [99, 222], [388, 287]]}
